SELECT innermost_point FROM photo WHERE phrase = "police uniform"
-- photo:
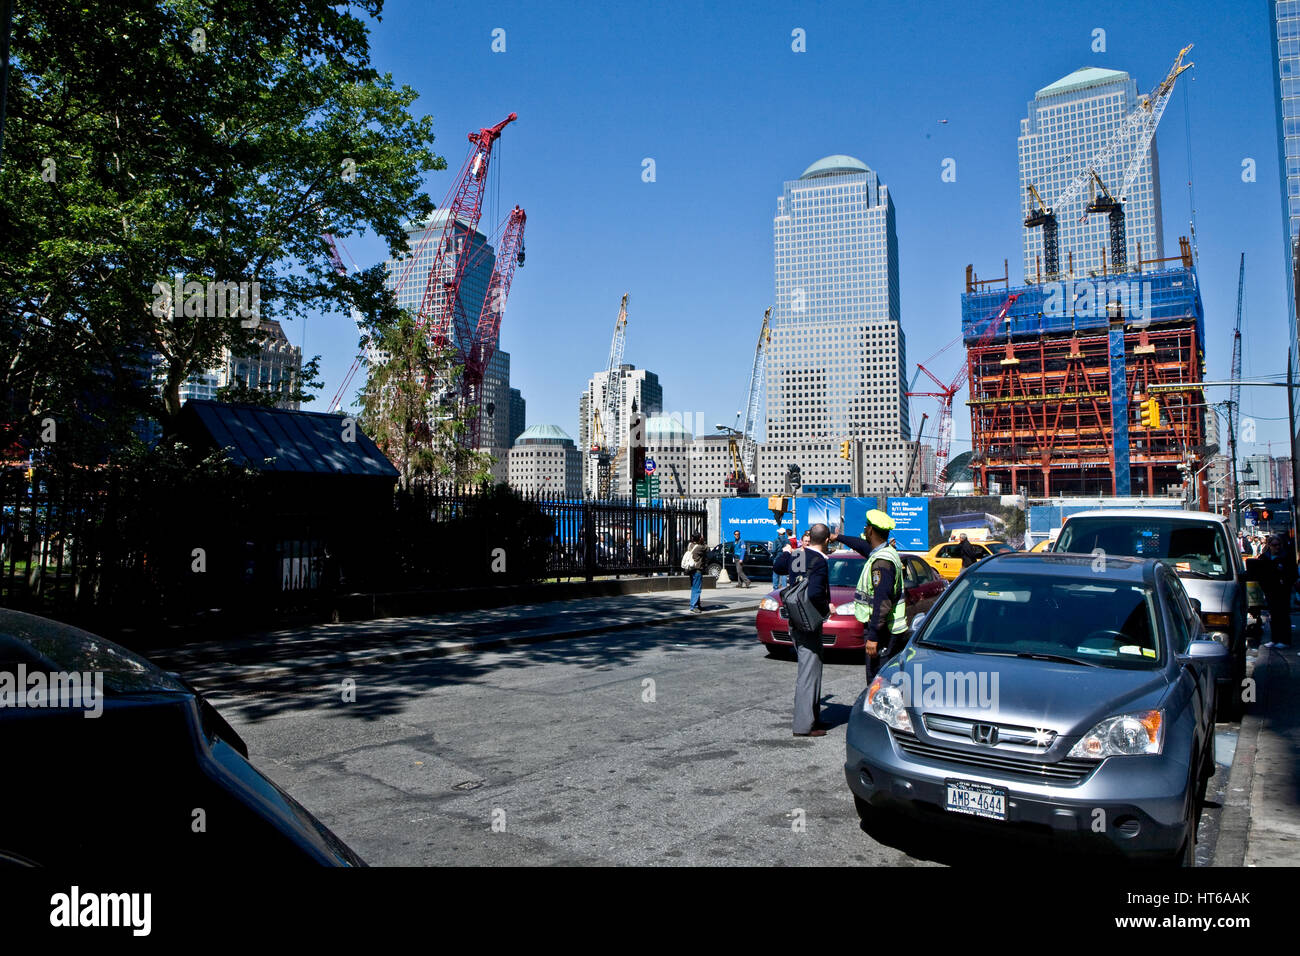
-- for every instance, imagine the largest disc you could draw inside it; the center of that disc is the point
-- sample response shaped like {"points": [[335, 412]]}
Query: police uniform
{"points": [[881, 580]]}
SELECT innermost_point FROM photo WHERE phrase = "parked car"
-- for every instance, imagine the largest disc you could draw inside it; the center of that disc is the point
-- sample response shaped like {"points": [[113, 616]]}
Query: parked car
{"points": [[145, 772], [1066, 695], [1197, 545], [758, 560], [922, 586], [946, 558]]}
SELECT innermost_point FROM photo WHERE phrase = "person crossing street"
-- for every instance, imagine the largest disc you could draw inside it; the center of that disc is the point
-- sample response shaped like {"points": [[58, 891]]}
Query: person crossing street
{"points": [[738, 552]]}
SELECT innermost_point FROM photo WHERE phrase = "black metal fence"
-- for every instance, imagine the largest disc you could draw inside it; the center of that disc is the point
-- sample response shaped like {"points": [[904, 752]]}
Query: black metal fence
{"points": [[123, 545]]}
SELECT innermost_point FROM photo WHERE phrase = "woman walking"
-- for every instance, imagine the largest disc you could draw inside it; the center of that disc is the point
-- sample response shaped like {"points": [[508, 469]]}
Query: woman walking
{"points": [[701, 555]]}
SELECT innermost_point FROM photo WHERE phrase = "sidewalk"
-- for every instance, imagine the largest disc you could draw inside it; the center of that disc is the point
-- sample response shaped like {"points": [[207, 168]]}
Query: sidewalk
{"points": [[292, 650], [1261, 821]]}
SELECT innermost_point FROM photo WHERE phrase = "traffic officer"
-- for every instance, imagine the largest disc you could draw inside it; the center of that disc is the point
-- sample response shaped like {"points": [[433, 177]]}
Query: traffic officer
{"points": [[878, 601]]}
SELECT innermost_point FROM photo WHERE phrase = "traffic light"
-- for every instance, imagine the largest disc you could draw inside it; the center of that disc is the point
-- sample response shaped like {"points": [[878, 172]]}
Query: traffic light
{"points": [[844, 450], [1151, 413], [794, 478]]}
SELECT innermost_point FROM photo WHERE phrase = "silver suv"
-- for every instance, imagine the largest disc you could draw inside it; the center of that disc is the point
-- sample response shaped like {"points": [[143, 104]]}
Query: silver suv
{"points": [[1199, 547]]}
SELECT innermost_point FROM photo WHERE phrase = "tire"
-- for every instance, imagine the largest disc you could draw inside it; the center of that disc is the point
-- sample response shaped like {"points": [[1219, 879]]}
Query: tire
{"points": [[780, 652], [713, 570], [866, 812], [1185, 855]]}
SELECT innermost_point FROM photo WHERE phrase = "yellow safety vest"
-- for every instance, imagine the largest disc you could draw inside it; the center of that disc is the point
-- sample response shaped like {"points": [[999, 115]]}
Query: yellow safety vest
{"points": [[862, 596]]}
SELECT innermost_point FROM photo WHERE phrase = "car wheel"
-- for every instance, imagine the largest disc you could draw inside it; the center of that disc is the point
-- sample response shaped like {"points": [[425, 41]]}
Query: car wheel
{"points": [[714, 570], [1185, 855]]}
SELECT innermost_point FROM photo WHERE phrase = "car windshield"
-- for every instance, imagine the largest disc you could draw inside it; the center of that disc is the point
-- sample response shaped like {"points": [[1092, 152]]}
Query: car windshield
{"points": [[1089, 619], [1192, 548], [999, 548], [844, 572]]}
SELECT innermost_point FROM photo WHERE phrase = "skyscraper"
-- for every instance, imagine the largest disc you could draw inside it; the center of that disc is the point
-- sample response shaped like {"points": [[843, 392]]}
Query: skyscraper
{"points": [[1068, 123], [1284, 28], [837, 365], [639, 390]]}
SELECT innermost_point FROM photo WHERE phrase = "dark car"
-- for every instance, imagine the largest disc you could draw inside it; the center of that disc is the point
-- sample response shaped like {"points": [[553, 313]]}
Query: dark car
{"points": [[922, 586], [757, 563], [122, 762], [1050, 693]]}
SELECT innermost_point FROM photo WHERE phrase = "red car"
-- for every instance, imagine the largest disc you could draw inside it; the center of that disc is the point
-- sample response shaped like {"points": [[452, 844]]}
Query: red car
{"points": [[922, 586]]}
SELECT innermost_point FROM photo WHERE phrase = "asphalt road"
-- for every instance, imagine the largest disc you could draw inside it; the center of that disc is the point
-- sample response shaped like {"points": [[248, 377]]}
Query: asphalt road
{"points": [[566, 753]]}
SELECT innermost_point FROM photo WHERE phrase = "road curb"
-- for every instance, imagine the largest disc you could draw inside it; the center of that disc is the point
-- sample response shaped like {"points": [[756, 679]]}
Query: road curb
{"points": [[447, 649], [1234, 822]]}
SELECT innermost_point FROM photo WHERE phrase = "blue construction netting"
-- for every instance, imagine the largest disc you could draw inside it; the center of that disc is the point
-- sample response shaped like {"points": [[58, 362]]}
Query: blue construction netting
{"points": [[1077, 305]]}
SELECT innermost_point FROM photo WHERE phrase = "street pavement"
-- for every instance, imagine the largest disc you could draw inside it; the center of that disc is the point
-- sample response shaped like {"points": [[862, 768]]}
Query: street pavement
{"points": [[661, 743]]}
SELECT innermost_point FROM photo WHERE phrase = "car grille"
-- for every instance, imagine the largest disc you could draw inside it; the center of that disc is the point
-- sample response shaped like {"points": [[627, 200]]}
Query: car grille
{"points": [[1062, 771]]}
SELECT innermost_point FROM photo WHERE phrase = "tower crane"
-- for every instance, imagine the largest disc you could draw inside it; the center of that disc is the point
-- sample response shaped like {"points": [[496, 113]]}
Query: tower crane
{"points": [[1138, 129], [510, 253], [1234, 394], [605, 433], [741, 445], [947, 392]]}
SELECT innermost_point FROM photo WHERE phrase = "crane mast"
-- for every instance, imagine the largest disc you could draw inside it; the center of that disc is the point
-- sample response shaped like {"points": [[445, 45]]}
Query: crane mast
{"points": [[606, 439], [1234, 395], [745, 459]]}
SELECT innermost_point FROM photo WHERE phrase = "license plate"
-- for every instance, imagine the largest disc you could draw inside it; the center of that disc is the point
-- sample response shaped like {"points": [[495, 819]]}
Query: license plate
{"points": [[976, 800]]}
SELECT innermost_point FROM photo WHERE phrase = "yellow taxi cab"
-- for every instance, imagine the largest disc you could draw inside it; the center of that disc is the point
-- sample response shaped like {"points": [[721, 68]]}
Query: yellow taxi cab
{"points": [[946, 558]]}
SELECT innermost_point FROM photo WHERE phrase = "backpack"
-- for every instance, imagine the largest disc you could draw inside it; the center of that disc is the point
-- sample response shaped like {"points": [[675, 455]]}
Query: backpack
{"points": [[688, 559], [800, 610]]}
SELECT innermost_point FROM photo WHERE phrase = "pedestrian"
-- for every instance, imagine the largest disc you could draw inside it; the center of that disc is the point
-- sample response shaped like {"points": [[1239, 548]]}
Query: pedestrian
{"points": [[809, 562], [969, 552], [738, 553], [1278, 578], [700, 555], [878, 600], [782, 539]]}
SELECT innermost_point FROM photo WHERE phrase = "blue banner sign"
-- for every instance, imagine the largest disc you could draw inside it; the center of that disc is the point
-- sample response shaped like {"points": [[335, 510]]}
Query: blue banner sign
{"points": [[912, 531]]}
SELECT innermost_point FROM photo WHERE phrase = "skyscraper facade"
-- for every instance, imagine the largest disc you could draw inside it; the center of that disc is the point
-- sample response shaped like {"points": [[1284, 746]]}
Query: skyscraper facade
{"points": [[1284, 26], [836, 368], [1068, 123], [638, 391]]}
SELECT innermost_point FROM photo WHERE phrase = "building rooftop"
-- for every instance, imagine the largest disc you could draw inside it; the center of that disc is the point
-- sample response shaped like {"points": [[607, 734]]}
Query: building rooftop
{"points": [[543, 434], [664, 426], [836, 165], [1081, 79]]}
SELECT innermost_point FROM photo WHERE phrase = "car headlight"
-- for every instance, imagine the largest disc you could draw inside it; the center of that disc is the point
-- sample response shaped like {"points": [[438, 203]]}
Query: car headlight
{"points": [[1124, 735], [885, 702], [768, 604], [844, 610]]}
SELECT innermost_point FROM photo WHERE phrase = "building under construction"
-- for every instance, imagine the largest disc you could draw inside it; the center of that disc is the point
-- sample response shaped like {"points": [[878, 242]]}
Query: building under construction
{"points": [[1057, 382]]}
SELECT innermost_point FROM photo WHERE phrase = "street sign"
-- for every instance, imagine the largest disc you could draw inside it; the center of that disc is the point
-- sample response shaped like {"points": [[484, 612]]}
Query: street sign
{"points": [[650, 466], [647, 488]]}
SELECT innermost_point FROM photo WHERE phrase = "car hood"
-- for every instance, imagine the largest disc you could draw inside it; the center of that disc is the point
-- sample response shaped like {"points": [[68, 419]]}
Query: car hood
{"points": [[1067, 698]]}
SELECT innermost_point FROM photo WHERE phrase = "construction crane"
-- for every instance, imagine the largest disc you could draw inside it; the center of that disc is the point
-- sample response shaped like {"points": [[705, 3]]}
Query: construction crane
{"points": [[337, 401], [741, 445], [946, 393], [605, 437], [1138, 129], [509, 254], [1234, 394]]}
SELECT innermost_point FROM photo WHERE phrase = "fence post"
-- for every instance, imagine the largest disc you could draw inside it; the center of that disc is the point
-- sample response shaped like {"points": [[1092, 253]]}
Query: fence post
{"points": [[588, 540]]}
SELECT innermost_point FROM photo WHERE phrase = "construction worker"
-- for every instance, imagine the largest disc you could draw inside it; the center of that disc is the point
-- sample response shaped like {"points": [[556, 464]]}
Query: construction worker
{"points": [[878, 601]]}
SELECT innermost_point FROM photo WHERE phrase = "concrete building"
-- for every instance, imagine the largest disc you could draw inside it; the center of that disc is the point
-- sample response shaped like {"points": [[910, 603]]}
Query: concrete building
{"points": [[638, 390], [274, 366], [836, 368], [671, 446], [518, 410], [710, 467], [1284, 29], [1068, 123], [545, 461], [1258, 468]]}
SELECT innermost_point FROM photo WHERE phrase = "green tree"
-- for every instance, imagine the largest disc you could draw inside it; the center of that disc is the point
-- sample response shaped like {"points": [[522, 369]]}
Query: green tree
{"points": [[205, 141]]}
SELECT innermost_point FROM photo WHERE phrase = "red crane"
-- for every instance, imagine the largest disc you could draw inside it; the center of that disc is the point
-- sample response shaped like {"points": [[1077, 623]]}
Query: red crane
{"points": [[947, 392], [510, 253]]}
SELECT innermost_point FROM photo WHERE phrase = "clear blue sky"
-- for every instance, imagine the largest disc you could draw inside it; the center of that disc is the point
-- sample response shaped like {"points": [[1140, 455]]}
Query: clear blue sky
{"points": [[716, 96]]}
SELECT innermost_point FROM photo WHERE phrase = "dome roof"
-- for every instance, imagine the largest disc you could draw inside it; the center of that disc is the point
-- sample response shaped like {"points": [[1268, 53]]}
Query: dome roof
{"points": [[1081, 79], [836, 165], [543, 434]]}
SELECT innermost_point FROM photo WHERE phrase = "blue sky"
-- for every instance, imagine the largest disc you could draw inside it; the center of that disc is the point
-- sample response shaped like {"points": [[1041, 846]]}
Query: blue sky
{"points": [[716, 96]]}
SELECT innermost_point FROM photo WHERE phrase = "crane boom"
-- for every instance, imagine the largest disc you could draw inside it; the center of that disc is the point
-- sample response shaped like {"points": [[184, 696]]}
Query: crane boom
{"points": [[613, 380], [748, 446], [1234, 396], [509, 254]]}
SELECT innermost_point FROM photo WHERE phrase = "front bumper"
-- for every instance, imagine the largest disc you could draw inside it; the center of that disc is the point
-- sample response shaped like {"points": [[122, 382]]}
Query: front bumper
{"points": [[841, 632], [1133, 805]]}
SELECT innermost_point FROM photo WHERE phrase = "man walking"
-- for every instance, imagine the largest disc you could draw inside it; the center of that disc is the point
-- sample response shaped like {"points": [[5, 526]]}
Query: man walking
{"points": [[809, 562], [878, 601], [1278, 580], [738, 552]]}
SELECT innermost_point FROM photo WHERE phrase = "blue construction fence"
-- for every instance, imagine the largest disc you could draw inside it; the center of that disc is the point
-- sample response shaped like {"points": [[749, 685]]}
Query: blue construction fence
{"points": [[921, 522], [1083, 304]]}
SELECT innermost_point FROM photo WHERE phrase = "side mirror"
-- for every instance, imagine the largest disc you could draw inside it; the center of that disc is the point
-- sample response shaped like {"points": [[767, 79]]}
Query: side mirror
{"points": [[1196, 605], [1207, 650]]}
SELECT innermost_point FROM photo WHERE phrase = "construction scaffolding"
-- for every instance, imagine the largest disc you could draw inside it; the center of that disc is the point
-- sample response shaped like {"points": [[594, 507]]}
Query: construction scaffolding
{"points": [[1052, 392]]}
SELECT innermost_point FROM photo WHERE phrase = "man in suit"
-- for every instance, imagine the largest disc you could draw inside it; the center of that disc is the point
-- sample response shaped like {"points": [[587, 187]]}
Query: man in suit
{"points": [[809, 562]]}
